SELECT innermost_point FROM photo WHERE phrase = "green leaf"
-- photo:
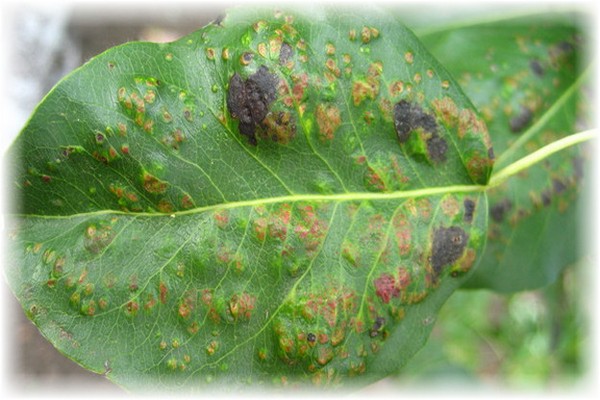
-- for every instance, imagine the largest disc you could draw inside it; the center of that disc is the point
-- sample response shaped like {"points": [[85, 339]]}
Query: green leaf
{"points": [[526, 76], [170, 232]]}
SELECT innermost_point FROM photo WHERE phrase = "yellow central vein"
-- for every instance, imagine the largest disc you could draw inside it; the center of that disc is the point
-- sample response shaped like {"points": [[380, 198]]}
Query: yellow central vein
{"points": [[340, 197]]}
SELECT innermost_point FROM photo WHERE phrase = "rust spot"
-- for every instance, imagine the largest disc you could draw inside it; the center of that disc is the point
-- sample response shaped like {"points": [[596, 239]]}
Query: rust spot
{"points": [[241, 306], [328, 120], [152, 184], [396, 88], [386, 288], [279, 126], [162, 289]]}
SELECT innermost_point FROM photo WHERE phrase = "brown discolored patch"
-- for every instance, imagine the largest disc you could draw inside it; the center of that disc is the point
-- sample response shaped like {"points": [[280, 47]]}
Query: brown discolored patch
{"points": [[279, 126], [396, 88], [446, 109], [448, 246], [249, 101], [328, 120], [152, 184], [369, 87], [162, 289], [409, 117]]}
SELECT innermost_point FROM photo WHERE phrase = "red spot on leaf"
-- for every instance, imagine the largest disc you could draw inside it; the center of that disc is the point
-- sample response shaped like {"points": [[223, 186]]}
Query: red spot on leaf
{"points": [[162, 288], [241, 306], [385, 288], [222, 218]]}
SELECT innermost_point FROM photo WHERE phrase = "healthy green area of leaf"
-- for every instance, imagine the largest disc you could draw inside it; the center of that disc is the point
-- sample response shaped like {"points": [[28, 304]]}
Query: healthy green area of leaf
{"points": [[527, 76], [272, 199]]}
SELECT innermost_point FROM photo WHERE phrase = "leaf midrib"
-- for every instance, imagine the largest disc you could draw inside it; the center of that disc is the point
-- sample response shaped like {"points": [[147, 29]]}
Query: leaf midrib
{"points": [[338, 197]]}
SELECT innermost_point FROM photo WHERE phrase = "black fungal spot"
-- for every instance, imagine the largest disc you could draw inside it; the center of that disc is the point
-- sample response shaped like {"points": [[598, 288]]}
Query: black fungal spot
{"points": [[578, 167], [536, 68], [499, 210], [249, 101], [558, 186], [546, 198], [521, 120], [286, 53], [247, 57], [377, 326], [408, 117], [448, 246], [565, 47], [469, 210], [219, 19], [311, 337]]}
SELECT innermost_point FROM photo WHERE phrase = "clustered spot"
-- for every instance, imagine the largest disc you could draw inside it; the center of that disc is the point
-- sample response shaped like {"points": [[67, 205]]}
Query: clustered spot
{"points": [[367, 34], [369, 87], [249, 101], [448, 246], [279, 126], [521, 120], [409, 117]]}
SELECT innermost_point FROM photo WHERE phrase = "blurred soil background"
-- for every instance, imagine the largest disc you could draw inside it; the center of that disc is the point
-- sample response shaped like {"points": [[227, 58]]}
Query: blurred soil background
{"points": [[526, 340]]}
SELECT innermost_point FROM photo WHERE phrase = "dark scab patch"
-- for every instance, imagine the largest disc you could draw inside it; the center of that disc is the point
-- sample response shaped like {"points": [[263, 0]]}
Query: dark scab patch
{"points": [[448, 246], [536, 68], [499, 210], [437, 147], [521, 120], [249, 101], [286, 53], [311, 337], [408, 117], [469, 210]]}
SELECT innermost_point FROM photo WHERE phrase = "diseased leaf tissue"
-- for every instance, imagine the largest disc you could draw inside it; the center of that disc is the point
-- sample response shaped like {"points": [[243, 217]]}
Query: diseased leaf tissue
{"points": [[275, 199]]}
